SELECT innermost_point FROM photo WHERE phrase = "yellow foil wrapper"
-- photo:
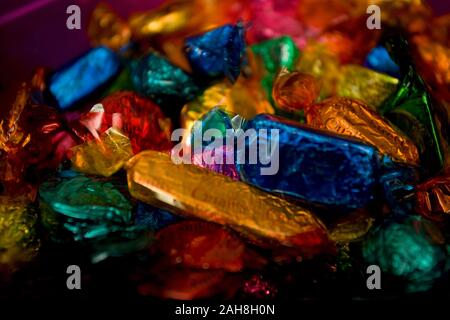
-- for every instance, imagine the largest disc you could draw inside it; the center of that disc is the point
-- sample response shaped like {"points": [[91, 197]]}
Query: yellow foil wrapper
{"points": [[18, 243], [104, 156], [12, 136], [171, 17], [351, 227], [319, 62], [372, 87], [242, 99], [211, 97], [182, 17], [353, 118], [196, 192], [107, 28]]}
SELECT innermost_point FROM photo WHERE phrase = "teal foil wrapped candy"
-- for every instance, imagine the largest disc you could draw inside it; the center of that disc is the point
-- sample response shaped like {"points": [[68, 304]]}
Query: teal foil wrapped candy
{"points": [[410, 248], [158, 79], [84, 76], [78, 207]]}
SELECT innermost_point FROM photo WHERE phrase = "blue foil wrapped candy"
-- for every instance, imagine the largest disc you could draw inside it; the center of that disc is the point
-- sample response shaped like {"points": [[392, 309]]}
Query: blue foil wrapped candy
{"points": [[379, 60], [217, 52], [153, 218], [83, 76], [158, 79], [314, 166]]}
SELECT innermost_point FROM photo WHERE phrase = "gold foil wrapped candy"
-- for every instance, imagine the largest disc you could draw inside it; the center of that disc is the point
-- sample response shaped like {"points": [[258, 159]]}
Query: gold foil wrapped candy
{"points": [[196, 192], [185, 17], [319, 62], [351, 227], [240, 99], [355, 119], [18, 240], [107, 28], [364, 84], [104, 156], [211, 97], [171, 17]]}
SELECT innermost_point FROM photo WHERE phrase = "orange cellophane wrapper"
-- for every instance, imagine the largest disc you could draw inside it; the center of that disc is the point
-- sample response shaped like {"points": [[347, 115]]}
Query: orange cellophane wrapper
{"points": [[353, 118], [433, 197], [106, 28]]}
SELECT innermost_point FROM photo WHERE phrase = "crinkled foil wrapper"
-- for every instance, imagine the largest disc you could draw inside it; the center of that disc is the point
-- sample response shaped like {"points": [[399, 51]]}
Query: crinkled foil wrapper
{"points": [[197, 192], [352, 118]]}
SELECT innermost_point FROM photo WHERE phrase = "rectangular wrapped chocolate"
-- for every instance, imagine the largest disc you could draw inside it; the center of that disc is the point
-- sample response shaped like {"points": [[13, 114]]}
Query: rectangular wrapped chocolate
{"points": [[196, 192], [84, 76], [314, 165]]}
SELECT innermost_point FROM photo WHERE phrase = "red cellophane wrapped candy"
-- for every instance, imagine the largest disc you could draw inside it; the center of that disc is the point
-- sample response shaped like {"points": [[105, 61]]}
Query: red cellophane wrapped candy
{"points": [[32, 139], [137, 117]]}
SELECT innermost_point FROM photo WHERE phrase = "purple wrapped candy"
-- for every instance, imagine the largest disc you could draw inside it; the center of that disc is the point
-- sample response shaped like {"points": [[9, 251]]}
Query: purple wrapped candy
{"points": [[216, 160]]}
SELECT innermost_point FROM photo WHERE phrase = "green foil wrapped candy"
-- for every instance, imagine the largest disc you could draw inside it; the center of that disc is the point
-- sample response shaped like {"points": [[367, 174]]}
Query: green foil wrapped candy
{"points": [[410, 248], [411, 109], [275, 54]]}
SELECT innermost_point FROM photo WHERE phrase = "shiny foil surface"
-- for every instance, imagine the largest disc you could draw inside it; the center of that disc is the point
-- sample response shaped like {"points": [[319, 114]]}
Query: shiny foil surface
{"points": [[161, 81], [104, 156], [275, 54], [32, 139], [107, 29], [77, 207], [409, 247], [316, 60], [433, 197], [242, 98], [295, 90], [140, 119], [411, 108], [217, 52], [235, 150], [379, 60], [316, 166], [355, 119], [352, 227], [83, 76], [19, 242], [220, 165], [196, 192], [213, 96], [371, 87]]}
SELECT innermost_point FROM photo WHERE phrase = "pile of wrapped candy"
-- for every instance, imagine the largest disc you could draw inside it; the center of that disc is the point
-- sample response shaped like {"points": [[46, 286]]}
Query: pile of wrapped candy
{"points": [[362, 122]]}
